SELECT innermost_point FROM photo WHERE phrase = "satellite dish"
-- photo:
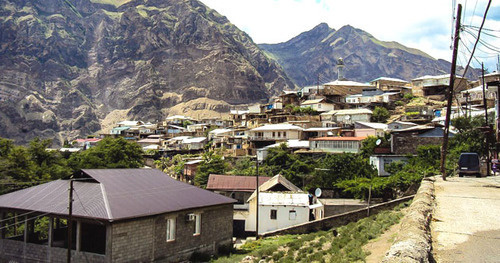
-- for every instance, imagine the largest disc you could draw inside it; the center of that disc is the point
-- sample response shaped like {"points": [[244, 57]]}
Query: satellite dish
{"points": [[329, 133], [378, 142], [347, 117], [317, 192]]}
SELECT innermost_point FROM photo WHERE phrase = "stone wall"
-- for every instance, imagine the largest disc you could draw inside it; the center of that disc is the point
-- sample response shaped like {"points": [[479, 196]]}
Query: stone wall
{"points": [[13, 251], [408, 144], [145, 239], [414, 242], [140, 240], [337, 220]]}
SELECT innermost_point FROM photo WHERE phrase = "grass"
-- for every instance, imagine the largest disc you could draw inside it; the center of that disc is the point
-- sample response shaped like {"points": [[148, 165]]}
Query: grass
{"points": [[343, 244]]}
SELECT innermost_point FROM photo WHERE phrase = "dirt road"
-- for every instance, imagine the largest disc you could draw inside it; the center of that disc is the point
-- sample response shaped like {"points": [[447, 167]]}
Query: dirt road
{"points": [[466, 220]]}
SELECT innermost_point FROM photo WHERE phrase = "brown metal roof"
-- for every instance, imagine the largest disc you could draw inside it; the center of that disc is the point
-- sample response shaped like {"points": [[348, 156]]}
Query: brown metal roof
{"points": [[234, 182], [114, 195]]}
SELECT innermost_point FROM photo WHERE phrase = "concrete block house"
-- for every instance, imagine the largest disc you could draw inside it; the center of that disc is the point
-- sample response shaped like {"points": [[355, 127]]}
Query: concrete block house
{"points": [[119, 215]]}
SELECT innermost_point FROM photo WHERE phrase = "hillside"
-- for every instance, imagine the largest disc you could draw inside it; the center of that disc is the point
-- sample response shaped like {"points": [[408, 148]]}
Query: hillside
{"points": [[313, 55], [66, 65]]}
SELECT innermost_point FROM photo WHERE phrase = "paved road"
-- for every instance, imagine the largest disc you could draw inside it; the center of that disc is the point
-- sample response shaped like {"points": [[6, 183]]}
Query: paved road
{"points": [[466, 220]]}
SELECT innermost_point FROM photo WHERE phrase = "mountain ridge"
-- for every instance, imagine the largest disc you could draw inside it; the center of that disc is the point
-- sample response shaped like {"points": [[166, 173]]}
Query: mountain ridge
{"points": [[365, 57], [66, 65]]}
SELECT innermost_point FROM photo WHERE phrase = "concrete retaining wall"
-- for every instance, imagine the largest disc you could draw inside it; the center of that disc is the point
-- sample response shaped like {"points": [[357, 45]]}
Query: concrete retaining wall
{"points": [[414, 241], [337, 220]]}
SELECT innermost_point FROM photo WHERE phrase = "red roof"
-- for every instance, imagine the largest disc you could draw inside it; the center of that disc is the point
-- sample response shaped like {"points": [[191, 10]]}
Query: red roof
{"points": [[234, 182], [339, 139]]}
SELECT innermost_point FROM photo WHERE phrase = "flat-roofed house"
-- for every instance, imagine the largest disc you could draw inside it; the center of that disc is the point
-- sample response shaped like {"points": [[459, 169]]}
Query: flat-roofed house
{"points": [[336, 144], [118, 215], [273, 133]]}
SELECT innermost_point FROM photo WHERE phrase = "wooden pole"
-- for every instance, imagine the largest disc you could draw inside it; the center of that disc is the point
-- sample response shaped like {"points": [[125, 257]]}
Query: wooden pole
{"points": [[444, 148], [257, 203], [486, 125], [70, 219]]}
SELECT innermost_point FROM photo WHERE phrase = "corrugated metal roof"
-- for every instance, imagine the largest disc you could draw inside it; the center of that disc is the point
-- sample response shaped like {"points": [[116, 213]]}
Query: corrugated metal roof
{"points": [[339, 139], [278, 127], [117, 194], [234, 182]]}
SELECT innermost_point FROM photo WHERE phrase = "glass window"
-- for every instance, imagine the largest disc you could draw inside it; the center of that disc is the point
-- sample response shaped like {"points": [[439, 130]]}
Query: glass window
{"points": [[171, 229], [274, 214], [292, 215], [197, 224]]}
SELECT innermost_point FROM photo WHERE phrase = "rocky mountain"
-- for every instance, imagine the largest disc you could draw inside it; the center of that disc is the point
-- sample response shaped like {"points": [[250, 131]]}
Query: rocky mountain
{"points": [[68, 66], [313, 55]]}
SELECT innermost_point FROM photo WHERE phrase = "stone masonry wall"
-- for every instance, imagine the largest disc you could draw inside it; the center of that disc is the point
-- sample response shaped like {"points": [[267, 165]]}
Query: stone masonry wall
{"points": [[414, 243], [14, 251], [337, 220], [144, 240], [216, 231], [408, 144]]}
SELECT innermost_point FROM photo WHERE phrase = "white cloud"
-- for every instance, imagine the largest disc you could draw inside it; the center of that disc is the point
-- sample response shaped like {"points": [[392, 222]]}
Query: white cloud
{"points": [[425, 24]]}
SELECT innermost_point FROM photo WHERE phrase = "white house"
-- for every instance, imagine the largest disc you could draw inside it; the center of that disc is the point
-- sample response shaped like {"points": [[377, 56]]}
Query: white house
{"points": [[382, 161], [320, 105], [281, 205], [346, 117], [276, 132]]}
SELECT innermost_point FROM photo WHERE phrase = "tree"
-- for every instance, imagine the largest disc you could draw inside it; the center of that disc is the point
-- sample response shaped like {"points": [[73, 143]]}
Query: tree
{"points": [[213, 163], [334, 168], [380, 114], [109, 153], [369, 144]]}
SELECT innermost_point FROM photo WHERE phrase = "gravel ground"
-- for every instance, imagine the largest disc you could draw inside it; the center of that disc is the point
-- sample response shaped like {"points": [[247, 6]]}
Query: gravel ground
{"points": [[466, 220]]}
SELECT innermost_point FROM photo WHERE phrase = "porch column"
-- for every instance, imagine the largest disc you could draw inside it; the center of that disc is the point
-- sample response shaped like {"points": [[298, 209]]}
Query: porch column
{"points": [[2, 224], [25, 238], [78, 235], [51, 231]]}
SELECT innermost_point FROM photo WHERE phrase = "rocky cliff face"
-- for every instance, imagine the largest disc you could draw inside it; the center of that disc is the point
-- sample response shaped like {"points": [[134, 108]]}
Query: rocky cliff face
{"points": [[66, 65], [313, 55]]}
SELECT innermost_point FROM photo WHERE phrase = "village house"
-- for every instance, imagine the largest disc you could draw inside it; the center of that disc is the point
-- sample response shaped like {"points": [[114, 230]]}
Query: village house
{"points": [[336, 91], [345, 118], [273, 133], [397, 125], [474, 96], [406, 141], [336, 144], [189, 171], [86, 143], [365, 129], [391, 84], [118, 215], [315, 132], [435, 87], [239, 188], [281, 204], [382, 161], [320, 105]]}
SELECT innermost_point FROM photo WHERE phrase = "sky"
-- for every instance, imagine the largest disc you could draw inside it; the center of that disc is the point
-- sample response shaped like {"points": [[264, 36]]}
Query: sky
{"points": [[425, 24]]}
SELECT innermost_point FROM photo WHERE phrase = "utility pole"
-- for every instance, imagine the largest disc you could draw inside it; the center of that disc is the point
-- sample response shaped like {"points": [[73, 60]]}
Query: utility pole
{"points": [[486, 125], [70, 221], [257, 203], [444, 148]]}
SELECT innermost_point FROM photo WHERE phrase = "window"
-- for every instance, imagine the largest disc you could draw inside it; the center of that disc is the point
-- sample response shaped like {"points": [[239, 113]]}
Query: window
{"points": [[274, 134], [171, 229], [279, 134], [197, 224], [284, 134], [274, 214], [292, 215]]}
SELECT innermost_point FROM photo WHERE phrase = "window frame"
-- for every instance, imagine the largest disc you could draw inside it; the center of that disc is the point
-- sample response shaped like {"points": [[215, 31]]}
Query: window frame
{"points": [[273, 214], [197, 224], [170, 229]]}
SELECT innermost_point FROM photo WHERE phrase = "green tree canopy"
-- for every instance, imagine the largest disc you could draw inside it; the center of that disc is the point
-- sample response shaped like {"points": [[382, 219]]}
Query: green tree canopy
{"points": [[109, 153], [213, 163], [380, 114]]}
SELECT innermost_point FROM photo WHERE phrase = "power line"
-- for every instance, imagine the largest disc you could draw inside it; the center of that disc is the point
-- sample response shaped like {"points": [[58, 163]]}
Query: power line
{"points": [[477, 40]]}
